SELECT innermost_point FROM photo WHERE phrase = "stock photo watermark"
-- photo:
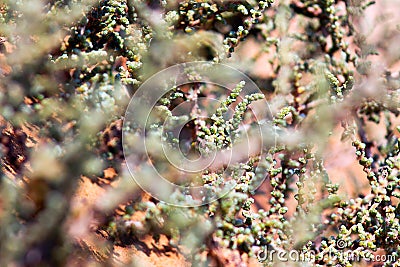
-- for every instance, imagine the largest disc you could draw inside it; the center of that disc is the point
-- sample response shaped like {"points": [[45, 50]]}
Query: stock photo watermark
{"points": [[224, 142], [341, 253]]}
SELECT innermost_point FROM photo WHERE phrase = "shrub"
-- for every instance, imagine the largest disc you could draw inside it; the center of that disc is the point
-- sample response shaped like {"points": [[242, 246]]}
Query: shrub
{"points": [[69, 68]]}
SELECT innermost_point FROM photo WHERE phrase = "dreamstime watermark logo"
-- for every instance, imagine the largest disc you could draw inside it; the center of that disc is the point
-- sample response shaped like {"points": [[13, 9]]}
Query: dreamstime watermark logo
{"points": [[341, 253], [164, 169], [265, 255]]}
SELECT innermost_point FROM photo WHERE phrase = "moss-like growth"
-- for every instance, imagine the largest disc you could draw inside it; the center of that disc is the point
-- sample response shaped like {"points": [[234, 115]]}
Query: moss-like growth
{"points": [[68, 69]]}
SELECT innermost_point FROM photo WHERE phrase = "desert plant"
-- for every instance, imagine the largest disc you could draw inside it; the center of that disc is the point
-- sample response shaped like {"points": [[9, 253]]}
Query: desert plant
{"points": [[69, 69]]}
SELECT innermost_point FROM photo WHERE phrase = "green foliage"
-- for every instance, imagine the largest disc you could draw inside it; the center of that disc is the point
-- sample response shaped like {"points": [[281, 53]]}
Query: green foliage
{"points": [[66, 79]]}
